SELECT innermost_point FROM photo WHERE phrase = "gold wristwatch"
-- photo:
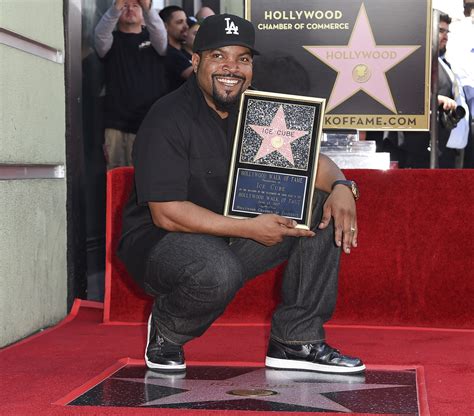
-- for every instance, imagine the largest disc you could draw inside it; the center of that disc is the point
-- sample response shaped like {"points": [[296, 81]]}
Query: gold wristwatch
{"points": [[351, 185]]}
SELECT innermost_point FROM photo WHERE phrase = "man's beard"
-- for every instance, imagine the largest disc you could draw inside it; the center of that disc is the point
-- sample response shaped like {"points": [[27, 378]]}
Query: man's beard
{"points": [[225, 102], [442, 51]]}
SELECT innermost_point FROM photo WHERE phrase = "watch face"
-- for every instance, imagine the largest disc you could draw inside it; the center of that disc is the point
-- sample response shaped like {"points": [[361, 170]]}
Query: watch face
{"points": [[351, 185], [355, 190]]}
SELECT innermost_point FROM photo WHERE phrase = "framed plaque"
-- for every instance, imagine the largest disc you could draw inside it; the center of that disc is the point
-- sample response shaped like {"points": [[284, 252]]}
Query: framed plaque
{"points": [[275, 156]]}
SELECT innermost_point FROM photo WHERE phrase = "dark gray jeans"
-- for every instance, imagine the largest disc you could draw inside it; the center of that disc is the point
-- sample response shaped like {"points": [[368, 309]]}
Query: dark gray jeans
{"points": [[193, 277]]}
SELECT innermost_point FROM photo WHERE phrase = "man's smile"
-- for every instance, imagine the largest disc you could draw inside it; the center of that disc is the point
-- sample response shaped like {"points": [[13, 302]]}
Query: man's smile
{"points": [[228, 81]]}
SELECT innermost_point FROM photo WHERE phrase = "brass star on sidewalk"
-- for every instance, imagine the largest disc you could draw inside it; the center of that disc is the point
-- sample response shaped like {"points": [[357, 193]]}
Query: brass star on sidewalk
{"points": [[299, 388]]}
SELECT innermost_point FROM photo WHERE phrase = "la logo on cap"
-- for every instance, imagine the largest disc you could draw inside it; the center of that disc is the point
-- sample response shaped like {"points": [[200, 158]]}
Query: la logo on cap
{"points": [[231, 28]]}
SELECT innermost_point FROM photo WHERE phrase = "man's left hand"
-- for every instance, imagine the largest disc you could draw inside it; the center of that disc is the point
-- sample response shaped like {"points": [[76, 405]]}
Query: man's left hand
{"points": [[340, 205]]}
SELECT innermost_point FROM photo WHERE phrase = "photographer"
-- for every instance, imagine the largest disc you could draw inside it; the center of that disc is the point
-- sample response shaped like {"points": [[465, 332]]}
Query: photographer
{"points": [[453, 127], [413, 148], [461, 55]]}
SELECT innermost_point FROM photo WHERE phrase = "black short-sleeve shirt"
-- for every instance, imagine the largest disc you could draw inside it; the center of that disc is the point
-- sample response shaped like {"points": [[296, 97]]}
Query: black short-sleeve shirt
{"points": [[181, 153], [176, 61], [135, 77]]}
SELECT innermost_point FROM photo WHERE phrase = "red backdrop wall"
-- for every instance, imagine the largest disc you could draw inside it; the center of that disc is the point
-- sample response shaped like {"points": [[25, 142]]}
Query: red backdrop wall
{"points": [[414, 264]]}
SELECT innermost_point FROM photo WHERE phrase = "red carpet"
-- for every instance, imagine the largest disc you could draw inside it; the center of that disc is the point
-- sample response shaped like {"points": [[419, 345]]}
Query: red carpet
{"points": [[45, 368], [413, 268]]}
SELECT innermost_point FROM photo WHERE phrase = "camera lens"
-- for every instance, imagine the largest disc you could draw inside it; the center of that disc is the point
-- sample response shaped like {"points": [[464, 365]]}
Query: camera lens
{"points": [[459, 112], [450, 118]]}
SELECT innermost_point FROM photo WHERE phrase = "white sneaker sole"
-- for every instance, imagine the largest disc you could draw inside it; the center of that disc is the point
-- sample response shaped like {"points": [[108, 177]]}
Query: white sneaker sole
{"points": [[177, 367], [151, 364], [305, 365]]}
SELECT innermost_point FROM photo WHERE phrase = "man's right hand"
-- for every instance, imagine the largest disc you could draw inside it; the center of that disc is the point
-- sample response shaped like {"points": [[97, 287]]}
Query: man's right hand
{"points": [[119, 4], [447, 103], [271, 229]]}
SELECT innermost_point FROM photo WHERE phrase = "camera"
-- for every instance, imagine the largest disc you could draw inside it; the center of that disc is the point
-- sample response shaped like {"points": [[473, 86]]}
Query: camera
{"points": [[450, 118]]}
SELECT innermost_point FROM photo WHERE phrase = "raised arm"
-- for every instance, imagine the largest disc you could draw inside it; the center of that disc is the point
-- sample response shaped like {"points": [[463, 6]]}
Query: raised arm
{"points": [[103, 37], [155, 26]]}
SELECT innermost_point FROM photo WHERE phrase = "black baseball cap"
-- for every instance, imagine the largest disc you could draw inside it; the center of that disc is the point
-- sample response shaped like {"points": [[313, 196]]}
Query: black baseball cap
{"points": [[224, 30]]}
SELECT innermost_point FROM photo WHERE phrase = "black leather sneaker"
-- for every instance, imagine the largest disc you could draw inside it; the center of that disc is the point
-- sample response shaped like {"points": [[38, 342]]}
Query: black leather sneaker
{"points": [[160, 353], [313, 357]]}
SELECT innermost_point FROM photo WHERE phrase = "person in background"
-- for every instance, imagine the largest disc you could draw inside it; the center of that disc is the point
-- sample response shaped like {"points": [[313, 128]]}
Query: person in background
{"points": [[193, 27], [461, 56], [413, 148], [452, 139], [134, 72], [204, 12], [178, 65]]}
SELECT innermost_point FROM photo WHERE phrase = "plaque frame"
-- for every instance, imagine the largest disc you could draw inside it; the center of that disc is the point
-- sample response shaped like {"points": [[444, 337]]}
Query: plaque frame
{"points": [[280, 186]]}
